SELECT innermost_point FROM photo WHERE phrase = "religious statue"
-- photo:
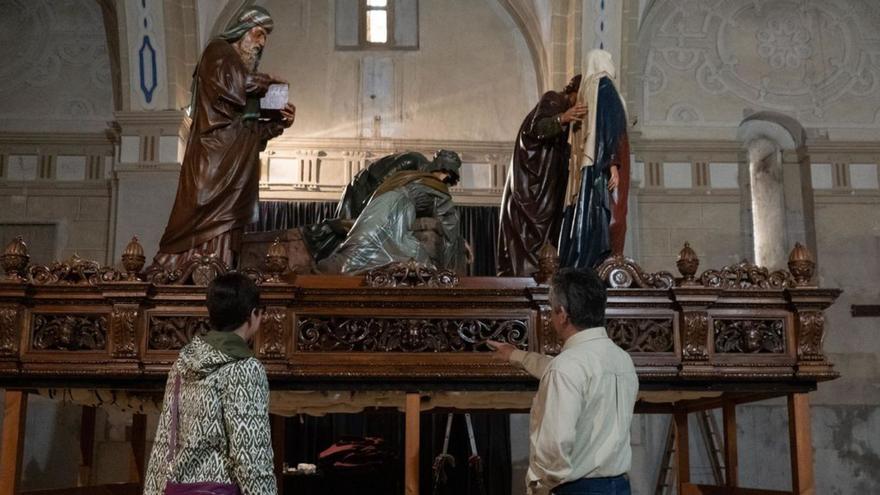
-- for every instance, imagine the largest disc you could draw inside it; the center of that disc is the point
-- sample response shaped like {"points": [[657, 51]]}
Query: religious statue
{"points": [[324, 237], [594, 226], [219, 180], [410, 216], [532, 202]]}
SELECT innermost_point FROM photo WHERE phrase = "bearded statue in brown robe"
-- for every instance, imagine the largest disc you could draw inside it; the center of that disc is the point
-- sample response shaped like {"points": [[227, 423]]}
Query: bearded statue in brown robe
{"points": [[219, 180]]}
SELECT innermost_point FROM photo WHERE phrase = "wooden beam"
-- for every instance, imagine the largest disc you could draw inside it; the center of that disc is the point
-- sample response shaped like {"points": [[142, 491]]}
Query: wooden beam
{"points": [[12, 440], [86, 445], [411, 449], [801, 442], [111, 489], [731, 458], [691, 489], [279, 432], [865, 310], [682, 451], [138, 447]]}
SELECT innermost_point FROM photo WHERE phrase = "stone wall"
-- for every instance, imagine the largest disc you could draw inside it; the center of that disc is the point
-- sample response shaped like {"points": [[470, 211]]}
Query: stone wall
{"points": [[55, 75]]}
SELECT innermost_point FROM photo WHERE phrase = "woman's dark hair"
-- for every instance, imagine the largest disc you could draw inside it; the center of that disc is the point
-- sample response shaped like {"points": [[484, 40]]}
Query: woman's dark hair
{"points": [[231, 299], [582, 293]]}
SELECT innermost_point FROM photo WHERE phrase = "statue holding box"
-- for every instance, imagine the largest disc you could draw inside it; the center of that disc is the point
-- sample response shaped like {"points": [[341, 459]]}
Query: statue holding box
{"points": [[219, 180]]}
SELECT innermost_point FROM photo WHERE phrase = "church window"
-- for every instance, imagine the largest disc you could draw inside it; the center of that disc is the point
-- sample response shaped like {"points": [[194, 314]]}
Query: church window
{"points": [[377, 24]]}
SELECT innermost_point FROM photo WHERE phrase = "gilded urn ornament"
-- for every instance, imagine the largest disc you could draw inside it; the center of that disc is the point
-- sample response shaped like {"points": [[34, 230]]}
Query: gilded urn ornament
{"points": [[133, 259], [801, 265], [548, 263], [15, 259], [276, 261], [687, 264]]}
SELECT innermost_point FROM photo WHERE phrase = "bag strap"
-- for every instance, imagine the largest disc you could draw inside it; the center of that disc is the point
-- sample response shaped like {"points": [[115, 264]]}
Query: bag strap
{"points": [[175, 413]]}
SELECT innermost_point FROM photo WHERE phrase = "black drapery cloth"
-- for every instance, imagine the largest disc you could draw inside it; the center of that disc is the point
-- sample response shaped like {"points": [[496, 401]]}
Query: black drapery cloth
{"points": [[478, 226], [307, 436]]}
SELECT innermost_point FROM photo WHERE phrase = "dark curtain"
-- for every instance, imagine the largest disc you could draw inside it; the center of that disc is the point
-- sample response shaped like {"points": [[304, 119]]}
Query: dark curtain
{"points": [[308, 436]]}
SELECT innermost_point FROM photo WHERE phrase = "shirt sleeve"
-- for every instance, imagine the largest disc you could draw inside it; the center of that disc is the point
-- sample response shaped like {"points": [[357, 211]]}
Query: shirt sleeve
{"points": [[560, 399], [157, 473], [533, 363], [246, 416]]}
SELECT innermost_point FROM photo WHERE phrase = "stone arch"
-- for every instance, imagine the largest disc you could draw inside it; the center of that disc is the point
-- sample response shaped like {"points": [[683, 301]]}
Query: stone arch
{"points": [[524, 16], [778, 127], [111, 29]]}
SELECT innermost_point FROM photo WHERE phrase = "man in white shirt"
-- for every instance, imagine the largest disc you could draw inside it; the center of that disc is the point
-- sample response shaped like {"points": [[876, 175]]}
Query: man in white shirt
{"points": [[579, 427]]}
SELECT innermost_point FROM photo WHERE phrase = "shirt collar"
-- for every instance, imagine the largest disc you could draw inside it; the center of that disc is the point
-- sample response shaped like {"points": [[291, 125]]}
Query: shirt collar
{"points": [[585, 335]]}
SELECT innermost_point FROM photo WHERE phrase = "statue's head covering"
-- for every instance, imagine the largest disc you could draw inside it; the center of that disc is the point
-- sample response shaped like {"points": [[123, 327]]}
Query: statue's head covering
{"points": [[247, 19], [448, 161], [600, 63], [573, 85]]}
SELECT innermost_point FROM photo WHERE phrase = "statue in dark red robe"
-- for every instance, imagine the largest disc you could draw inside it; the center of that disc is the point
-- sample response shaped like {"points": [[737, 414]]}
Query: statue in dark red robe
{"points": [[533, 198], [219, 180]]}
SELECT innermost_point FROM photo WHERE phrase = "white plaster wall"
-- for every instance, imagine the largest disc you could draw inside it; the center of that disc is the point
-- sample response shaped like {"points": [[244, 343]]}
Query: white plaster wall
{"points": [[55, 74], [705, 63], [470, 79]]}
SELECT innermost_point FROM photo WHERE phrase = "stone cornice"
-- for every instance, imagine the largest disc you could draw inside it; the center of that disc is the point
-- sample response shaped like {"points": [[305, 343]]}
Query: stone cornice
{"points": [[285, 143], [169, 121], [56, 139], [708, 146]]}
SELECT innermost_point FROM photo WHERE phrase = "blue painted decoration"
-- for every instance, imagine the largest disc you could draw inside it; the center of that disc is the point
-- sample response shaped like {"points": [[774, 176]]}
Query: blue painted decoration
{"points": [[147, 59]]}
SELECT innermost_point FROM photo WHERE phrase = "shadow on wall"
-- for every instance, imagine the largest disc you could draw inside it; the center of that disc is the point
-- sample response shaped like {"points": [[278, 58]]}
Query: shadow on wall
{"points": [[51, 448]]}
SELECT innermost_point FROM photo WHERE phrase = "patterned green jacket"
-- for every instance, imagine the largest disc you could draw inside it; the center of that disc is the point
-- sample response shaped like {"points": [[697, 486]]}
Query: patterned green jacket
{"points": [[223, 431]]}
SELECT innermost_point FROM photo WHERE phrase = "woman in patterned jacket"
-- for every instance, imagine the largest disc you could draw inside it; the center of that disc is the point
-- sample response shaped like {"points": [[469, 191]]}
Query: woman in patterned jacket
{"points": [[221, 416]]}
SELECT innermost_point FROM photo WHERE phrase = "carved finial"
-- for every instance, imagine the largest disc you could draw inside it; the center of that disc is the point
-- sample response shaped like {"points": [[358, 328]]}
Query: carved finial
{"points": [[15, 260], [133, 259], [276, 261], [548, 263], [687, 264], [801, 265]]}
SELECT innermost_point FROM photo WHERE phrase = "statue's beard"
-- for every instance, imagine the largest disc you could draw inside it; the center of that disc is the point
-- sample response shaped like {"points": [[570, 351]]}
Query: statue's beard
{"points": [[250, 54]]}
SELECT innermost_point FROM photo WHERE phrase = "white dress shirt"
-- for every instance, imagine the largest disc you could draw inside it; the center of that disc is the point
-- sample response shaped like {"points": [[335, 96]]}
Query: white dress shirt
{"points": [[579, 425]]}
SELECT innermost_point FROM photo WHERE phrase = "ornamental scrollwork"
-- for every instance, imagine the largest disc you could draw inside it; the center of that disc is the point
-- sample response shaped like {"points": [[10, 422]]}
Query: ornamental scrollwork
{"points": [[745, 275], [750, 336], [200, 269], [75, 271], [410, 274], [551, 343], [273, 332], [9, 336], [623, 273], [65, 332], [642, 334], [171, 333], [696, 330], [811, 333], [335, 334], [123, 331]]}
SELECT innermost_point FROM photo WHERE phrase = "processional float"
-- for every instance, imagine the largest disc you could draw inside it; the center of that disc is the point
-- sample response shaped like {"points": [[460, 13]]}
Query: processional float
{"points": [[413, 337]]}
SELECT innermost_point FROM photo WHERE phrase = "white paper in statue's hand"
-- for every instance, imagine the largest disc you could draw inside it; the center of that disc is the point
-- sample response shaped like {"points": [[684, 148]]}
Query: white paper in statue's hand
{"points": [[276, 97]]}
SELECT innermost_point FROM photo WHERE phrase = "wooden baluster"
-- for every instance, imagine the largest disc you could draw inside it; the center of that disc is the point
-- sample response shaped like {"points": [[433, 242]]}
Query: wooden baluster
{"points": [[86, 445], [12, 441], [682, 451], [411, 449], [800, 438]]}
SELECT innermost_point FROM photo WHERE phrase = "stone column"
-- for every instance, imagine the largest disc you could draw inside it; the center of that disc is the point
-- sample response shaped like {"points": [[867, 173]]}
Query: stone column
{"points": [[768, 202], [146, 175], [781, 193]]}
